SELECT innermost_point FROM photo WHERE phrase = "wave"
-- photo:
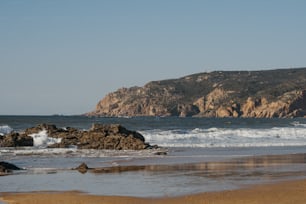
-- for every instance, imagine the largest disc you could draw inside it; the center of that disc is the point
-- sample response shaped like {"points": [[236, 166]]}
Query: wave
{"points": [[5, 129], [41, 139], [298, 124], [226, 137], [292, 135], [75, 152]]}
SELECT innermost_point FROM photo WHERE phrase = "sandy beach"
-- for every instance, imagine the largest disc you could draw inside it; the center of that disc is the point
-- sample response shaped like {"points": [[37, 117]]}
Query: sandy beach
{"points": [[283, 181], [281, 193], [183, 174]]}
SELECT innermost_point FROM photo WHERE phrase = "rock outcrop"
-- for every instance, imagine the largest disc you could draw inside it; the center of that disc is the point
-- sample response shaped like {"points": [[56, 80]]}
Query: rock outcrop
{"points": [[6, 168], [272, 93], [82, 168], [99, 136], [15, 139]]}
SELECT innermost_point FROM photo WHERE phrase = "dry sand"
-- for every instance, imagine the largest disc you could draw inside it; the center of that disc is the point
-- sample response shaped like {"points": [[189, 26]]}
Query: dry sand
{"points": [[286, 192]]}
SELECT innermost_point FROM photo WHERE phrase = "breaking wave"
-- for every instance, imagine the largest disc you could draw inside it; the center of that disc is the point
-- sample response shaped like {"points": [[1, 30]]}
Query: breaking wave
{"points": [[5, 129], [41, 139], [226, 137], [290, 134]]}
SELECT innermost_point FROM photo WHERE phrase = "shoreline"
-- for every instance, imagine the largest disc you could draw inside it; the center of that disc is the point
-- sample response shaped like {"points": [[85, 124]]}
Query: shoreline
{"points": [[293, 191], [160, 180]]}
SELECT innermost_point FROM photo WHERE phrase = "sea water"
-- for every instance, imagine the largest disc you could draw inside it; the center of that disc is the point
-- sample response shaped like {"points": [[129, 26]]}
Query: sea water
{"points": [[180, 132], [210, 143]]}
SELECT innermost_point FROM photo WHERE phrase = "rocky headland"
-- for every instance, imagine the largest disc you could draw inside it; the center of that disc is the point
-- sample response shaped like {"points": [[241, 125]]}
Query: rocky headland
{"points": [[260, 94], [99, 136]]}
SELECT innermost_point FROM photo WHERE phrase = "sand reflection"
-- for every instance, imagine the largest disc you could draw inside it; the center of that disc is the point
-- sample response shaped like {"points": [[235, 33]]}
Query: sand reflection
{"points": [[271, 166]]}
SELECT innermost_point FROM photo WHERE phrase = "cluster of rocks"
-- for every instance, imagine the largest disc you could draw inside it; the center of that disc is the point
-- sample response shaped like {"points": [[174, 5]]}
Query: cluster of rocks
{"points": [[99, 136], [15, 139]]}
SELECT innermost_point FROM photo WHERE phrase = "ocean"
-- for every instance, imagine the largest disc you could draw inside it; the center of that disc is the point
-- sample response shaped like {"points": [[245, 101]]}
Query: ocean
{"points": [[185, 132], [203, 154]]}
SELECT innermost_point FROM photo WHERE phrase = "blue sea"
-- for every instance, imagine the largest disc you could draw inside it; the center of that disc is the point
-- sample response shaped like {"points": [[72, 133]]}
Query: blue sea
{"points": [[203, 154]]}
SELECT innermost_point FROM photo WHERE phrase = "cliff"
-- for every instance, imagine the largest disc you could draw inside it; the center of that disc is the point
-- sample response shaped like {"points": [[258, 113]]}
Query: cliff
{"points": [[271, 93]]}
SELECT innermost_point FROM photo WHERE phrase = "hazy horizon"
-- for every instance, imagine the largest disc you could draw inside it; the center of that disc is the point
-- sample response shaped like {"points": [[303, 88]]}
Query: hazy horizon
{"points": [[63, 56]]}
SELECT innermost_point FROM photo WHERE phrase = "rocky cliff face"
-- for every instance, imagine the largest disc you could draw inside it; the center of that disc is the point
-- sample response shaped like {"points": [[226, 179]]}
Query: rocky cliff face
{"points": [[273, 93]]}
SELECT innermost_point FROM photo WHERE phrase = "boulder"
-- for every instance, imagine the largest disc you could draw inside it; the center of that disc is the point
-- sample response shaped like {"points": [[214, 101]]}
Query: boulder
{"points": [[51, 129], [41, 127], [6, 167], [82, 168], [16, 140], [112, 136]]}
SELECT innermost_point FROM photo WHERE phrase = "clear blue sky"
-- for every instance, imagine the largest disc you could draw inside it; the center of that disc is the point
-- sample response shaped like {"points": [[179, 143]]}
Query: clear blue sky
{"points": [[62, 56]]}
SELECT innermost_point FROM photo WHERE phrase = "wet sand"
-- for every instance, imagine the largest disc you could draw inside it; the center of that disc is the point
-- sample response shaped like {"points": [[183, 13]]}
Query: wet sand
{"points": [[281, 193], [261, 179]]}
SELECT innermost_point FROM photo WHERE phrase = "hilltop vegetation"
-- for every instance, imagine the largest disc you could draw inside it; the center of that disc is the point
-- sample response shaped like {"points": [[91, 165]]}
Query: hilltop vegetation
{"points": [[272, 93]]}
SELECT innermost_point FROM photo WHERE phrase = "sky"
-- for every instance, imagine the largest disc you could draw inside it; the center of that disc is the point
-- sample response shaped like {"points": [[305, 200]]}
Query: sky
{"points": [[63, 56]]}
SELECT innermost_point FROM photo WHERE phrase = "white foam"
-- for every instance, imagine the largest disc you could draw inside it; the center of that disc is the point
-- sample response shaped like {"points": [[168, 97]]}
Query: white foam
{"points": [[74, 152], [5, 129], [226, 137], [41, 139], [298, 124]]}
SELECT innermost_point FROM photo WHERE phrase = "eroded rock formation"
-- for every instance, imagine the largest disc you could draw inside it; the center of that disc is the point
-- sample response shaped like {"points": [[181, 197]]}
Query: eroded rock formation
{"points": [[273, 93], [99, 136], [15, 139]]}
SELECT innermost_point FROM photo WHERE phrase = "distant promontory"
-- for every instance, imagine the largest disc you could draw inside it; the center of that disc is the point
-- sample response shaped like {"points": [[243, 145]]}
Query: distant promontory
{"points": [[261, 94]]}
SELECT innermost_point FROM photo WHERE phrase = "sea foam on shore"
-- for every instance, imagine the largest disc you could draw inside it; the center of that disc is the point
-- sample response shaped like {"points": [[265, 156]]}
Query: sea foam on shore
{"points": [[229, 137]]}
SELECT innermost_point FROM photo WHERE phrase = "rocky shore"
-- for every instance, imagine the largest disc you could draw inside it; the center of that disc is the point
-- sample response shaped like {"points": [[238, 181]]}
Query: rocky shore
{"points": [[99, 136], [6, 168], [261, 94]]}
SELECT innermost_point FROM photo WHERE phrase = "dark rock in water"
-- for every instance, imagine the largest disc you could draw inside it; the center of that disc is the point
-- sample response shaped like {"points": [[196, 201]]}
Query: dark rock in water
{"points": [[51, 129], [82, 168], [114, 129], [99, 136], [161, 153], [112, 136], [6, 167], [16, 140], [102, 136]]}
